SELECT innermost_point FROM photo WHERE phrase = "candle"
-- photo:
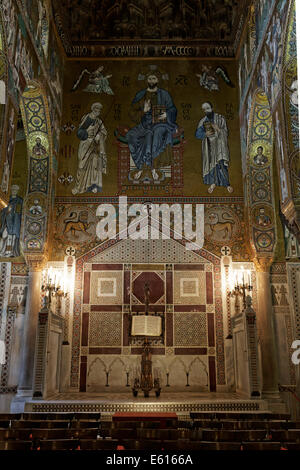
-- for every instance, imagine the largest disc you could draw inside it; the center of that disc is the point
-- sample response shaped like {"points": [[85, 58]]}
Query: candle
{"points": [[242, 275]]}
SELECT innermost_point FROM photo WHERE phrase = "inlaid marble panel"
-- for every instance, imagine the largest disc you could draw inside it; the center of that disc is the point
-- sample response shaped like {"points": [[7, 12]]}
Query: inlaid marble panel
{"points": [[105, 329], [189, 287], [190, 329], [106, 288]]}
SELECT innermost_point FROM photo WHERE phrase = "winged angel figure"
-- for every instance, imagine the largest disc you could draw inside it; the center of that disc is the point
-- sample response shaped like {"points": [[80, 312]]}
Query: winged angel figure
{"points": [[209, 78], [97, 82]]}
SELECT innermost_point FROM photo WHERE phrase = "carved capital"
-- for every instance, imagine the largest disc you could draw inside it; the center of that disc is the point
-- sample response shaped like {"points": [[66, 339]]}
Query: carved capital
{"points": [[35, 262], [263, 263]]}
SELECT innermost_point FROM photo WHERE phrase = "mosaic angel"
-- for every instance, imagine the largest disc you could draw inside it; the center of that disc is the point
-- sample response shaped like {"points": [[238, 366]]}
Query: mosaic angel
{"points": [[209, 78], [98, 83]]}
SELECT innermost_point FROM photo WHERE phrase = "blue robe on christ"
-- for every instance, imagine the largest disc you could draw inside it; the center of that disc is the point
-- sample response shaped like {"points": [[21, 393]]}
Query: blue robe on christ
{"points": [[147, 141]]}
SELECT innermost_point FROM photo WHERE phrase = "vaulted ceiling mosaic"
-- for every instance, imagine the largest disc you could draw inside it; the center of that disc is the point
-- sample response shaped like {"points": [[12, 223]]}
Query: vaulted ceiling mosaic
{"points": [[84, 25]]}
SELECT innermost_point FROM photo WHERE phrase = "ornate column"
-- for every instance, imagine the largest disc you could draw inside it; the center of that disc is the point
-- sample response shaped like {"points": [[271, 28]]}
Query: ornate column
{"points": [[32, 308], [265, 328], [36, 221], [260, 203]]}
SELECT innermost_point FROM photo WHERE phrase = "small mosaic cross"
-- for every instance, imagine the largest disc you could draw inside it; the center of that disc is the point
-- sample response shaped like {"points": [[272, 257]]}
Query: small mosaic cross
{"points": [[70, 251], [225, 250]]}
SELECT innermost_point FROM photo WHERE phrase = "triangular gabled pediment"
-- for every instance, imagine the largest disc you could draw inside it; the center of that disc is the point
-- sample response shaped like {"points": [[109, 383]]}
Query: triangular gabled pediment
{"points": [[146, 251]]}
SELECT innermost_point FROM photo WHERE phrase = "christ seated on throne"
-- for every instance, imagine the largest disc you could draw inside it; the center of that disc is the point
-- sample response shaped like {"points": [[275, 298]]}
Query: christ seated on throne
{"points": [[158, 169], [150, 142]]}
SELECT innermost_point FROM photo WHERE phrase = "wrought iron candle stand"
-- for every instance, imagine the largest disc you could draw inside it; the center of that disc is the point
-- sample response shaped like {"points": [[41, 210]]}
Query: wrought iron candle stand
{"points": [[59, 294], [49, 290], [240, 290], [146, 382], [52, 291], [236, 294]]}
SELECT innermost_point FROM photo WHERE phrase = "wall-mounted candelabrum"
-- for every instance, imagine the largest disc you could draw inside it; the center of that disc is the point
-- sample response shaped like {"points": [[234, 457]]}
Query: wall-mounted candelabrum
{"points": [[53, 287], [241, 285]]}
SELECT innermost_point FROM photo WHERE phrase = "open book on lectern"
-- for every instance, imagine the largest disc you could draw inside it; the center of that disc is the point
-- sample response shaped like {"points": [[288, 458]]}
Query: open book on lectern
{"points": [[146, 325]]}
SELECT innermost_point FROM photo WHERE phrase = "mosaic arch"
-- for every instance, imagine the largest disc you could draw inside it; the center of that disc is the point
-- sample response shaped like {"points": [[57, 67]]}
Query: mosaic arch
{"points": [[37, 208], [3, 81], [108, 289], [260, 191], [290, 104]]}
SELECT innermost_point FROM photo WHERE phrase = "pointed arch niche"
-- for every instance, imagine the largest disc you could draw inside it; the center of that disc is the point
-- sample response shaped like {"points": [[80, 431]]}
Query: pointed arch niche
{"points": [[27, 164], [29, 169], [26, 153]]}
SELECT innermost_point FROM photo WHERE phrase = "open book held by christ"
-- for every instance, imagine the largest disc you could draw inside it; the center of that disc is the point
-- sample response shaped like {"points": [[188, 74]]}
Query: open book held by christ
{"points": [[146, 325]]}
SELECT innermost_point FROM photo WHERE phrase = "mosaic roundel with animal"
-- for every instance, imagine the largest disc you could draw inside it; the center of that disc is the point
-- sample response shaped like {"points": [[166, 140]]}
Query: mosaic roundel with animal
{"points": [[221, 225], [77, 224]]}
